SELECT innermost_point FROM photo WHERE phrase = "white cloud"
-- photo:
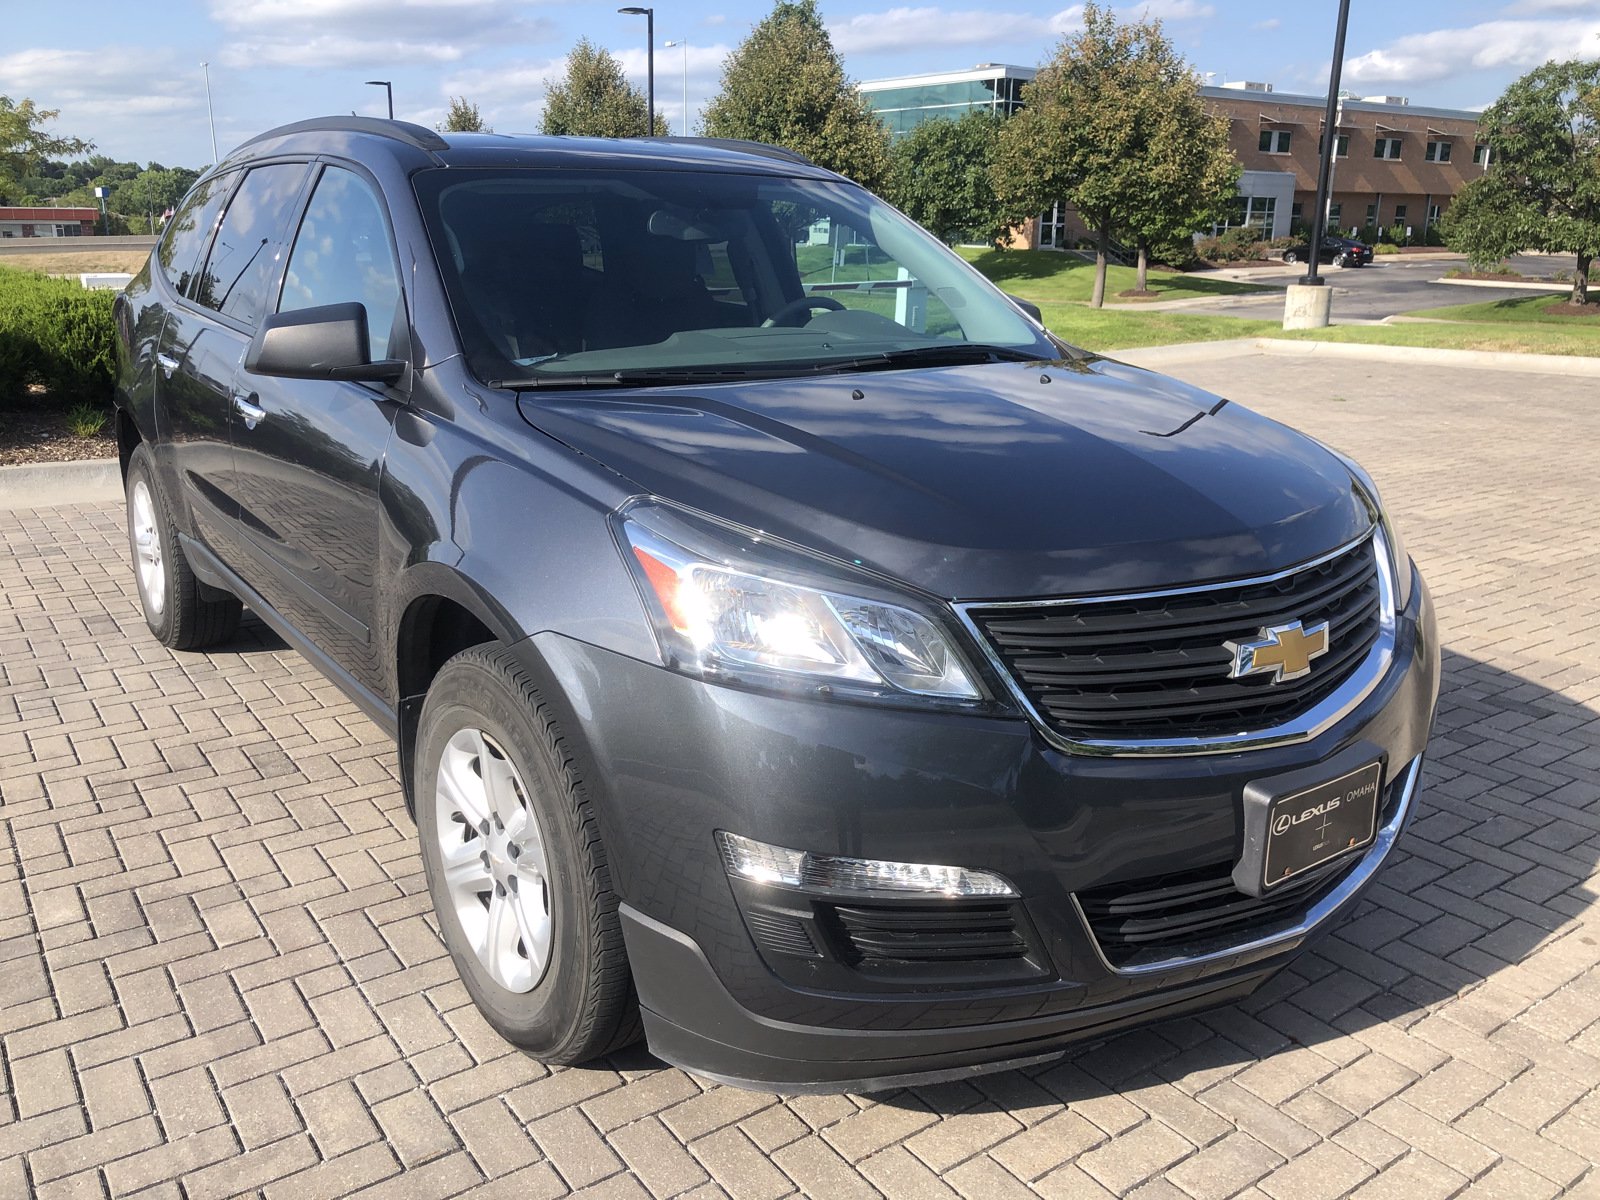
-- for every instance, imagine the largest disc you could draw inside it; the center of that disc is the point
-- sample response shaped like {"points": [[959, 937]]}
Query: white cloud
{"points": [[1269, 23], [908, 29], [1519, 44], [110, 82], [1551, 6], [341, 33]]}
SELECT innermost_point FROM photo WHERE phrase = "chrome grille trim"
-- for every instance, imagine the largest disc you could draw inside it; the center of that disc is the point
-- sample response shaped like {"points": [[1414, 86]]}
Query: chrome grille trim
{"points": [[1356, 687]]}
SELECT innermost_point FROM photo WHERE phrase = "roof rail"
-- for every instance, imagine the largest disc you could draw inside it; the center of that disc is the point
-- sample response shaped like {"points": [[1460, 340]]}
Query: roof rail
{"points": [[419, 136], [740, 144]]}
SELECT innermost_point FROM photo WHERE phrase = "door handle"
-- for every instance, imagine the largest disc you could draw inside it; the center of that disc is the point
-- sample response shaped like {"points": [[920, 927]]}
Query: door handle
{"points": [[245, 405], [167, 363]]}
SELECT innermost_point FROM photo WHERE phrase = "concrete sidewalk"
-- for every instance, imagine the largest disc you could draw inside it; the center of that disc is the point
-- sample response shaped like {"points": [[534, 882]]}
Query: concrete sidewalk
{"points": [[221, 975]]}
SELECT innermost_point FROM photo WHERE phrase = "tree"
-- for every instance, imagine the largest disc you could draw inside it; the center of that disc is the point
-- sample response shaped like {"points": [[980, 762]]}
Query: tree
{"points": [[1188, 173], [463, 118], [151, 192], [24, 142], [595, 99], [784, 85], [941, 176], [1542, 188], [1086, 132]]}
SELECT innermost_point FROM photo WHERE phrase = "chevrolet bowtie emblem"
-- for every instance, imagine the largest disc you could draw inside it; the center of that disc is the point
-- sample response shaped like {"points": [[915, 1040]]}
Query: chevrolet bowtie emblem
{"points": [[1285, 650]]}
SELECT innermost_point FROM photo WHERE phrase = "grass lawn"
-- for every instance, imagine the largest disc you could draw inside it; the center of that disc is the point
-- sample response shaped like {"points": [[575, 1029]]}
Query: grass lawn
{"points": [[1050, 277], [1523, 310], [73, 262], [1555, 338], [1107, 329]]}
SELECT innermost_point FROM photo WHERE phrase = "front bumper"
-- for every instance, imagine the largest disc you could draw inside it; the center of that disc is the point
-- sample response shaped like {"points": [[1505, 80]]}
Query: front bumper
{"points": [[670, 760]]}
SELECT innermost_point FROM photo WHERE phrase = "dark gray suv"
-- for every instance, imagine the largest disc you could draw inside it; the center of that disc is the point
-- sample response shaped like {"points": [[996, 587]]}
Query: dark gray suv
{"points": [[796, 654]]}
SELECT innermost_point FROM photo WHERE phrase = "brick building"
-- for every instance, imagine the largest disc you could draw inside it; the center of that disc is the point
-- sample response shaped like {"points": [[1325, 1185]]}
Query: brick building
{"points": [[1396, 163], [47, 222]]}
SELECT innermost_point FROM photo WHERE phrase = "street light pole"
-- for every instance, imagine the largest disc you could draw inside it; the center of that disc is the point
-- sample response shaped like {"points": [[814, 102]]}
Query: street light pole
{"points": [[210, 113], [388, 91], [1308, 304], [685, 47], [649, 15]]}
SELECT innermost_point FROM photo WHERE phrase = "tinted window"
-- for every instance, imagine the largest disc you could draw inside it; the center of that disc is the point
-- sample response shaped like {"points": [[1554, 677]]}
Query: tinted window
{"points": [[246, 247], [186, 233], [343, 253]]}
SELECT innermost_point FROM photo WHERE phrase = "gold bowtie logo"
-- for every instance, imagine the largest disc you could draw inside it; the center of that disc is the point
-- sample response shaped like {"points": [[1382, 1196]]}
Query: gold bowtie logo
{"points": [[1285, 650]]}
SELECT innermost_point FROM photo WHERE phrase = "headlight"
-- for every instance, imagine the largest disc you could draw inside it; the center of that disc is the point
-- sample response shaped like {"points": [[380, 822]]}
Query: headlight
{"points": [[728, 604], [1399, 560]]}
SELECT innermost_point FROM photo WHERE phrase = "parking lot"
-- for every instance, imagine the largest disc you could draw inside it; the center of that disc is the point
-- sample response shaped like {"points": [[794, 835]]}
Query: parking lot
{"points": [[221, 973], [1390, 285]]}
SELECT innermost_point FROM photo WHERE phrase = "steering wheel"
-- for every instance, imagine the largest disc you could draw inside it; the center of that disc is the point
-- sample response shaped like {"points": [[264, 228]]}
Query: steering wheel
{"points": [[785, 315]]}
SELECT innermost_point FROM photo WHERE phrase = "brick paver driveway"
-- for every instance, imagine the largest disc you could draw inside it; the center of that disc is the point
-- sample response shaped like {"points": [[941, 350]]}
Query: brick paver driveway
{"points": [[220, 973]]}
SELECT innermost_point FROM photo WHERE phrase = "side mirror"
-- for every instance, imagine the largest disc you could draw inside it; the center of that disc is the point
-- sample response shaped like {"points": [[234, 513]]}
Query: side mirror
{"points": [[1027, 306], [327, 342]]}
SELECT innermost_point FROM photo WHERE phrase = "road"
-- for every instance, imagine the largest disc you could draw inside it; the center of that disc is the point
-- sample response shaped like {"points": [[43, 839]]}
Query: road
{"points": [[1388, 286]]}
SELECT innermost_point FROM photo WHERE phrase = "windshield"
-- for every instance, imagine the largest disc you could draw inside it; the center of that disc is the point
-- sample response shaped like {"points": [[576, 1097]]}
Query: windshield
{"points": [[592, 278]]}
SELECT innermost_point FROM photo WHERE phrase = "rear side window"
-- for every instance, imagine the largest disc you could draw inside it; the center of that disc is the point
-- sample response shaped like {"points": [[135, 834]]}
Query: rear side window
{"points": [[188, 230], [246, 248], [343, 253]]}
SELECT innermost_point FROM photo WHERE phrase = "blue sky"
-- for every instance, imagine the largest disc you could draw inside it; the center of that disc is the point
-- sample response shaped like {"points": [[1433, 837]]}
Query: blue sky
{"points": [[128, 75]]}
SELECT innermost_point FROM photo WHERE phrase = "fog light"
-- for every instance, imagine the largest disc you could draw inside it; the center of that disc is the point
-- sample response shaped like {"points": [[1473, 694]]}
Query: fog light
{"points": [[761, 863]]}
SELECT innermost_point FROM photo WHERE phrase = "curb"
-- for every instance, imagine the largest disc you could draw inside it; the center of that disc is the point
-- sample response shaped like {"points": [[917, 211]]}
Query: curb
{"points": [[44, 485], [1509, 285], [1157, 357]]}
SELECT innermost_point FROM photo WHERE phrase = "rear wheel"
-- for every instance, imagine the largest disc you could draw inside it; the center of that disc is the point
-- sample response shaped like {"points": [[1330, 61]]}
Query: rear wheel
{"points": [[179, 611], [1339, 260], [1290, 257], [515, 865]]}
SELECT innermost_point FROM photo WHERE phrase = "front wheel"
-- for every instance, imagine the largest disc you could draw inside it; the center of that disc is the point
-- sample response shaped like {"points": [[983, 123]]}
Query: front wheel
{"points": [[1290, 257], [1340, 261], [515, 864]]}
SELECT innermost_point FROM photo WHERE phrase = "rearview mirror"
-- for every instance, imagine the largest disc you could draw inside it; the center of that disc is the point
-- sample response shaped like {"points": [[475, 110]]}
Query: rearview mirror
{"points": [[327, 342]]}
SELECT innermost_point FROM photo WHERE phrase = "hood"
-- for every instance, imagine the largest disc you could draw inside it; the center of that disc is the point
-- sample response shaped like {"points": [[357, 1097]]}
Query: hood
{"points": [[984, 482]]}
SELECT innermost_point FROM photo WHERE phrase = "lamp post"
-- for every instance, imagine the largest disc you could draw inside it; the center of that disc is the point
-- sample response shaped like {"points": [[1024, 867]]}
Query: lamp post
{"points": [[1308, 304], [685, 47], [388, 90], [210, 113], [649, 15]]}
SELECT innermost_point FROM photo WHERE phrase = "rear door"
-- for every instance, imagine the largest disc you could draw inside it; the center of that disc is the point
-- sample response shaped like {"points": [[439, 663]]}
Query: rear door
{"points": [[310, 460]]}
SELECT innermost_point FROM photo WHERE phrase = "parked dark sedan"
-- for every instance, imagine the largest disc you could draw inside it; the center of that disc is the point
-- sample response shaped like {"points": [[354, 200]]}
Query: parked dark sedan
{"points": [[797, 656], [1340, 251]]}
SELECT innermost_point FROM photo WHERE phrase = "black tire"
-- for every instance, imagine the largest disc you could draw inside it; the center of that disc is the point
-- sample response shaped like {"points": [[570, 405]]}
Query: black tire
{"points": [[1340, 261], [1290, 257], [180, 612], [583, 1004]]}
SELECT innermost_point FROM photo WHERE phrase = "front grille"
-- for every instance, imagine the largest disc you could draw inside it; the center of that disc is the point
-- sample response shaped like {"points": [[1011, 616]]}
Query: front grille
{"points": [[882, 935], [1155, 666]]}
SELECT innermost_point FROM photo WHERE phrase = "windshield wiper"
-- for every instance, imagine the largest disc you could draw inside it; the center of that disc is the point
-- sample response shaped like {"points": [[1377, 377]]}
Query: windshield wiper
{"points": [[652, 377], [956, 354]]}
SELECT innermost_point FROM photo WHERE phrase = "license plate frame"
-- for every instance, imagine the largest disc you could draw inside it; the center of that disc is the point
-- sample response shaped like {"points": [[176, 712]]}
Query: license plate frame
{"points": [[1300, 822]]}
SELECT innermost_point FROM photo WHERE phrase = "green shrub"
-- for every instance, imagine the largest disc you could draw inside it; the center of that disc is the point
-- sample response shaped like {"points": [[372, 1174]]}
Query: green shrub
{"points": [[57, 335], [1239, 244], [86, 420], [1386, 248]]}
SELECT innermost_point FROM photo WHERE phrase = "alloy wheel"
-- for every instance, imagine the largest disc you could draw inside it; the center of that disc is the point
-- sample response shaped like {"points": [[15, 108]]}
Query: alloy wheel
{"points": [[147, 548]]}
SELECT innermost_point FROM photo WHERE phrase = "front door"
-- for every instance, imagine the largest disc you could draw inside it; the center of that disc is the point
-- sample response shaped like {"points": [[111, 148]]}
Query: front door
{"points": [[309, 453]]}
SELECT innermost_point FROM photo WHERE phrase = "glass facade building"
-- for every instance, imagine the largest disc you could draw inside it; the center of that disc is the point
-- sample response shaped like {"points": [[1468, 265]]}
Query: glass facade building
{"points": [[907, 102]]}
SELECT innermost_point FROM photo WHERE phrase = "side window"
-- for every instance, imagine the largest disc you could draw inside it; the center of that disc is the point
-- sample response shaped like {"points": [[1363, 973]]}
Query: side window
{"points": [[838, 262], [239, 267], [342, 253], [186, 234]]}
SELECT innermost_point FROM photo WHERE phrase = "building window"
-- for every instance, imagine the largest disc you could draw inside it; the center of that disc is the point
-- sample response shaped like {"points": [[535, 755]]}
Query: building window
{"points": [[1335, 212], [1480, 155], [1251, 212], [1438, 152], [1386, 148], [1399, 213], [1372, 214], [1053, 227], [1433, 215], [1275, 141], [1341, 146]]}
